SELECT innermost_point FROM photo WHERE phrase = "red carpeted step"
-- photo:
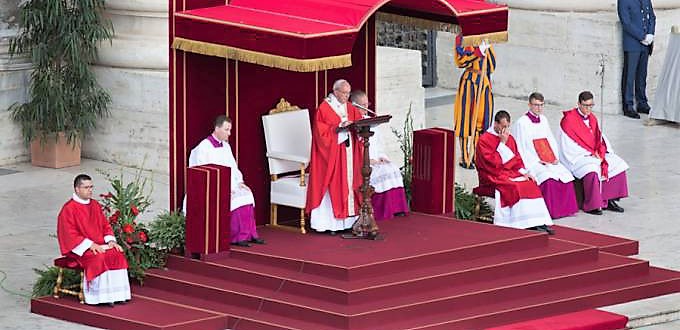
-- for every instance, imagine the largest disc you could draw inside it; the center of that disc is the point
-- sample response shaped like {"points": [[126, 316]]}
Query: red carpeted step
{"points": [[606, 243], [397, 282], [591, 319], [418, 241], [499, 311], [447, 295], [140, 313]]}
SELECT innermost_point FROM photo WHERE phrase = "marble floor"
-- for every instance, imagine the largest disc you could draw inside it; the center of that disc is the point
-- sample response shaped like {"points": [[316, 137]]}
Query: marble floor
{"points": [[31, 198]]}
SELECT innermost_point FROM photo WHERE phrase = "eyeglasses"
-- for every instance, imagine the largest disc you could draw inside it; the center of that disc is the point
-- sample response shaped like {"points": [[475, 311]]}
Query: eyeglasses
{"points": [[590, 106], [538, 105]]}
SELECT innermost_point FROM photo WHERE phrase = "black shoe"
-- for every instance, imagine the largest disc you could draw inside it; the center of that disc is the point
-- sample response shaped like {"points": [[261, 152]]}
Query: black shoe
{"points": [[109, 304], [256, 240], [612, 206], [643, 109], [332, 232], [400, 214], [631, 113], [469, 167], [595, 212], [548, 230], [241, 243]]}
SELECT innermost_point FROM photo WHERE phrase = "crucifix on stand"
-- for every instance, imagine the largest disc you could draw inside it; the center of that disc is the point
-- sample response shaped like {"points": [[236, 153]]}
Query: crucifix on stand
{"points": [[365, 227]]}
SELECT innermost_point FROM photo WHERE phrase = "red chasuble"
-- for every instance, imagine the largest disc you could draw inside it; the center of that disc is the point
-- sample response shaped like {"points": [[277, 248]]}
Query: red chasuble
{"points": [[77, 222], [589, 138], [493, 173], [328, 166]]}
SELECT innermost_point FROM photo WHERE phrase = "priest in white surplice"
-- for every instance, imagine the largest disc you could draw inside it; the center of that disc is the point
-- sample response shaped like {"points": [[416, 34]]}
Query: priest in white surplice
{"points": [[539, 150], [589, 155], [215, 149], [519, 203], [333, 195], [389, 198]]}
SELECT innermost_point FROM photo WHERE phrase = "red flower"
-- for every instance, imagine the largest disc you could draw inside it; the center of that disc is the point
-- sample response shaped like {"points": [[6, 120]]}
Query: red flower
{"points": [[142, 236], [106, 196], [134, 209], [127, 228], [129, 239], [114, 217]]}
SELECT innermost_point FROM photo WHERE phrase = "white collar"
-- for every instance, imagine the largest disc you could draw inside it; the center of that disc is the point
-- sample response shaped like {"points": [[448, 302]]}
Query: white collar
{"points": [[80, 200], [491, 130]]}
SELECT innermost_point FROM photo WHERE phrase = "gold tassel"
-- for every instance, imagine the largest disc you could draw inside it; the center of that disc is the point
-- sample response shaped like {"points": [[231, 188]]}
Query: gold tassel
{"points": [[494, 38], [264, 59], [417, 22]]}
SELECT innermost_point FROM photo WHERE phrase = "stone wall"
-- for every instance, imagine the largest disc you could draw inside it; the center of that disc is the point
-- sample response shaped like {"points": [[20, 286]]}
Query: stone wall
{"points": [[14, 78], [399, 85], [558, 52]]}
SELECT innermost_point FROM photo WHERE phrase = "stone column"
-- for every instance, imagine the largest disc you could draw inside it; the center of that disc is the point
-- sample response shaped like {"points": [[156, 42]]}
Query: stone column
{"points": [[14, 78], [133, 68], [556, 47]]}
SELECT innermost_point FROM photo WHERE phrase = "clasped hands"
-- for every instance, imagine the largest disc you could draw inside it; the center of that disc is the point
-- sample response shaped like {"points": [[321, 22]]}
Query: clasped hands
{"points": [[649, 38], [96, 248]]}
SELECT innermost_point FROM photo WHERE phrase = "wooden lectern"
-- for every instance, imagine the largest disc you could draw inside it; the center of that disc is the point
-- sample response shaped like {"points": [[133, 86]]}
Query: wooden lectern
{"points": [[365, 226]]}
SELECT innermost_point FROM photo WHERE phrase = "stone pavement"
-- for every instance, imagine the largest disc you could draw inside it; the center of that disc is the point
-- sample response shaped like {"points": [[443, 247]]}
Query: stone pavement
{"points": [[31, 197]]}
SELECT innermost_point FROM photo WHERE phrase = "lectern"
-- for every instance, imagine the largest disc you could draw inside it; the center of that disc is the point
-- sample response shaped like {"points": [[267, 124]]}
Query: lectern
{"points": [[365, 226]]}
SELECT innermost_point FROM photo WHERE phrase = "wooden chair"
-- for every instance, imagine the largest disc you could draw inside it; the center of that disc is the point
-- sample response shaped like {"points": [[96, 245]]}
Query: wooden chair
{"points": [[481, 192], [288, 135], [62, 263]]}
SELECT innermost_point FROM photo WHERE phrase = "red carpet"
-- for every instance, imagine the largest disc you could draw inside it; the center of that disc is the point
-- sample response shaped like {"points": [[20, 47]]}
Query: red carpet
{"points": [[587, 320], [428, 273]]}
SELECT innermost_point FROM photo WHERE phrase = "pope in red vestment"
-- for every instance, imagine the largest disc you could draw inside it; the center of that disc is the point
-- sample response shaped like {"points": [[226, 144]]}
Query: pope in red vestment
{"points": [[85, 235], [333, 196], [519, 202]]}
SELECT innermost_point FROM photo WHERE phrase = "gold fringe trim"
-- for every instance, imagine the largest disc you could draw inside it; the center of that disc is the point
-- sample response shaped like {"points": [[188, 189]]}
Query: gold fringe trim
{"points": [[675, 29], [417, 22], [264, 59], [494, 38]]}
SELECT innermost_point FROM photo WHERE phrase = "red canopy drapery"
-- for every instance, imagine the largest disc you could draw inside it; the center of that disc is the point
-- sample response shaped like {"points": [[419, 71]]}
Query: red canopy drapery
{"points": [[315, 35]]}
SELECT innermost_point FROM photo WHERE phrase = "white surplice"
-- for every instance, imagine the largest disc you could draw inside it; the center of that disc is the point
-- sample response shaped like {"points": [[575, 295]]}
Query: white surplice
{"points": [[384, 176], [525, 132]]}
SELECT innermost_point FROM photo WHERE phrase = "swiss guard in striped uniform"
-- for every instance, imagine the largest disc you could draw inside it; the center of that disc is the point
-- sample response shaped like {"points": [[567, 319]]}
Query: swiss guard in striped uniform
{"points": [[473, 110]]}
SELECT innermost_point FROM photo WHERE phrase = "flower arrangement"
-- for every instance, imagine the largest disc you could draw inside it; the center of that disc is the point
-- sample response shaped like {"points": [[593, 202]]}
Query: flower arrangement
{"points": [[122, 205]]}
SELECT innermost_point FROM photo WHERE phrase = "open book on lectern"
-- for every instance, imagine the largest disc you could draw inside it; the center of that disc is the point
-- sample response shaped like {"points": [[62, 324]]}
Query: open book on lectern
{"points": [[366, 122]]}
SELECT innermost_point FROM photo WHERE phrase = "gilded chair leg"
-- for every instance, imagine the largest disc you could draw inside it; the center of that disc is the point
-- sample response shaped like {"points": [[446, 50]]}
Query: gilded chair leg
{"points": [[81, 295], [273, 220], [57, 287], [302, 221]]}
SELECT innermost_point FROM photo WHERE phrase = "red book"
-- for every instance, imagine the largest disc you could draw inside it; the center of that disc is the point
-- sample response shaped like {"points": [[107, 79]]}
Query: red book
{"points": [[545, 153]]}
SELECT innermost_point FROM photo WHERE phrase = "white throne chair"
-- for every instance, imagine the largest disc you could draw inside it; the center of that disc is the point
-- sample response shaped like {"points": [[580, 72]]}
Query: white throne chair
{"points": [[288, 135]]}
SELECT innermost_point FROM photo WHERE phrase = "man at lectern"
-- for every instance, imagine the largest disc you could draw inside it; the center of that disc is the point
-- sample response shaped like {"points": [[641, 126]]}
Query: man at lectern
{"points": [[539, 150], [333, 196], [589, 155], [215, 149], [519, 203], [389, 197]]}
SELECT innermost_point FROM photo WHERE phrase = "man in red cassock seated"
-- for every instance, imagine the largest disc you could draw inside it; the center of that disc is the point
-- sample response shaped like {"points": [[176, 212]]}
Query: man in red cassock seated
{"points": [[519, 203], [85, 235], [333, 196]]}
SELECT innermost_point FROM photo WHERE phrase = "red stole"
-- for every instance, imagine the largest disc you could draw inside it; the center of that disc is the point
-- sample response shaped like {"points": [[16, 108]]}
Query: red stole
{"points": [[494, 174], [588, 138], [77, 222], [328, 165]]}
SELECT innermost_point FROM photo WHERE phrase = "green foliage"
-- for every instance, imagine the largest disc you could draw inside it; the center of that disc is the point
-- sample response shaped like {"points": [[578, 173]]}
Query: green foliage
{"points": [[122, 205], [47, 279], [466, 204], [167, 231], [64, 96], [405, 139]]}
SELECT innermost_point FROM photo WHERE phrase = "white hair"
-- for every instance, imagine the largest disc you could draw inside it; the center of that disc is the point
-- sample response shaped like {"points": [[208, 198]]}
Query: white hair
{"points": [[338, 84]]}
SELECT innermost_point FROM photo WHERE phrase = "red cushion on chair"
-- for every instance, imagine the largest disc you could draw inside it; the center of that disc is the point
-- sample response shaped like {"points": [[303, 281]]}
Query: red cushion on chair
{"points": [[485, 190], [67, 262]]}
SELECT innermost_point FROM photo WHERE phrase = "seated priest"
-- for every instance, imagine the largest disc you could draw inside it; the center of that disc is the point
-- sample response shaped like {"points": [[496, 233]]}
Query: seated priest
{"points": [[519, 203], [215, 149], [589, 155], [85, 235], [539, 151], [333, 196], [389, 197]]}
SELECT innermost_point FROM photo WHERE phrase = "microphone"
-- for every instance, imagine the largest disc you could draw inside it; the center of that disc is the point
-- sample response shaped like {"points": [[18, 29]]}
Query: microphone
{"points": [[364, 108]]}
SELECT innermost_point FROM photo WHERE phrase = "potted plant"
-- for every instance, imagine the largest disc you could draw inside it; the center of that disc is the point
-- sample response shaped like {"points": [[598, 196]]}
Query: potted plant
{"points": [[167, 232], [65, 101]]}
